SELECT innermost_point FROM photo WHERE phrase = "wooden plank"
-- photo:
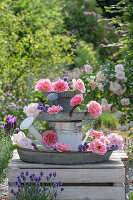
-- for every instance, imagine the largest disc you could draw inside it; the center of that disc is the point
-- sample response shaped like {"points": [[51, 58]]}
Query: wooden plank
{"points": [[90, 193], [78, 175]]}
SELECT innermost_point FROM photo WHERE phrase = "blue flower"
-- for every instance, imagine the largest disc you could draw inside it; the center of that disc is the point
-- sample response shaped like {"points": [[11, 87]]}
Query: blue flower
{"points": [[26, 172], [41, 173], [62, 189]]}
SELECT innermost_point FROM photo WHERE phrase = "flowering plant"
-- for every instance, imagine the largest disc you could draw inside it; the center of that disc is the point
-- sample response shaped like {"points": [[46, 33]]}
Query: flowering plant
{"points": [[112, 85], [30, 186], [100, 144]]}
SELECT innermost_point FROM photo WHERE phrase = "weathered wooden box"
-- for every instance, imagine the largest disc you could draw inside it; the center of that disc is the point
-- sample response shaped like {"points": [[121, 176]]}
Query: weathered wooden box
{"points": [[103, 181]]}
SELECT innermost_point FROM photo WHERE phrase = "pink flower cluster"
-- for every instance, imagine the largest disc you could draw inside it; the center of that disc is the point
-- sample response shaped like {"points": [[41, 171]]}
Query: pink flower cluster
{"points": [[54, 109], [77, 99], [101, 143], [47, 86], [116, 139], [50, 139], [94, 108]]}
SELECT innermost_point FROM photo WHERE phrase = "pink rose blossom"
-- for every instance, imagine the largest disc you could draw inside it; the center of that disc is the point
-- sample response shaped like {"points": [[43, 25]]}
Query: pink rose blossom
{"points": [[104, 140], [97, 146], [94, 108], [78, 85], [116, 139], [49, 138], [54, 109], [32, 110], [60, 86], [62, 147], [97, 133], [43, 85], [77, 99]]}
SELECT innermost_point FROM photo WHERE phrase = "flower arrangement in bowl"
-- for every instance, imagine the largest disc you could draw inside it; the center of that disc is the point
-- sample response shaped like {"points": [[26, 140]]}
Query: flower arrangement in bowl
{"points": [[60, 92]]}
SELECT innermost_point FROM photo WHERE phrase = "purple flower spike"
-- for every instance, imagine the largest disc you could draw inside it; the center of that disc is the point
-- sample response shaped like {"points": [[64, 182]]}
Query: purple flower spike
{"points": [[17, 130], [27, 173], [55, 194], [2, 126], [70, 84], [55, 185], [54, 174], [65, 78], [80, 147], [38, 184], [40, 106], [55, 150], [62, 189], [9, 183], [41, 173], [45, 109], [50, 174], [12, 191], [60, 183], [48, 178]]}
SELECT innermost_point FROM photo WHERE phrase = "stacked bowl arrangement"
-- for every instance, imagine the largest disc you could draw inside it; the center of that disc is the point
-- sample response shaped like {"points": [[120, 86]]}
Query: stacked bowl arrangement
{"points": [[63, 143]]}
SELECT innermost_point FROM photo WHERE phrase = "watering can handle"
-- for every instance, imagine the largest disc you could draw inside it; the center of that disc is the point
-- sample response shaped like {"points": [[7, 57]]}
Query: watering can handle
{"points": [[71, 111]]}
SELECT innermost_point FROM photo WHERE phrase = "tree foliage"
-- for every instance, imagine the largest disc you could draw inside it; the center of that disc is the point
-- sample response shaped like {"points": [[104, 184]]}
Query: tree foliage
{"points": [[31, 42]]}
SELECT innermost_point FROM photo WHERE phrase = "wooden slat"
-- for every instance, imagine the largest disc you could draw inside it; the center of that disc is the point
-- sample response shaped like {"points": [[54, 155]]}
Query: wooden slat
{"points": [[91, 193], [79, 175]]}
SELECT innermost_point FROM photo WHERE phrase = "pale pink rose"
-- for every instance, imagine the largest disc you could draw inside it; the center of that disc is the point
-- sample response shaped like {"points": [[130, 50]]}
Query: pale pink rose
{"points": [[49, 138], [97, 146], [114, 87], [121, 91], [77, 99], [97, 134], [54, 109], [119, 67], [94, 108], [60, 86], [21, 140], [62, 147], [120, 75], [78, 85], [101, 87], [116, 139], [93, 84], [100, 77], [123, 80], [88, 69], [32, 110], [104, 102], [43, 85], [125, 102], [104, 140]]}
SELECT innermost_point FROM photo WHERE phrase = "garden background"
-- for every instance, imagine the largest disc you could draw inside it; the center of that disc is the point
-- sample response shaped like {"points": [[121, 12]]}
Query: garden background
{"points": [[84, 39]]}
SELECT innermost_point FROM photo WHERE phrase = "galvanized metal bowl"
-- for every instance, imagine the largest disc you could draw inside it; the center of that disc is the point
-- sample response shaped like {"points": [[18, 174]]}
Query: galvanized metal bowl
{"points": [[61, 158], [62, 100]]}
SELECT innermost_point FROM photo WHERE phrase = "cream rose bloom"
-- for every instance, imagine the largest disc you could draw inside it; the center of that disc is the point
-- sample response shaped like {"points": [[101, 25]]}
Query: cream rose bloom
{"points": [[119, 68], [88, 69], [21, 140], [120, 75], [125, 102], [31, 110], [101, 87], [93, 84], [100, 77], [114, 87]]}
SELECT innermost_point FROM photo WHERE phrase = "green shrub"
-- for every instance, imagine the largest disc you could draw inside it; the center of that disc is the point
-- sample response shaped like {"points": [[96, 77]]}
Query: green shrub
{"points": [[6, 152]]}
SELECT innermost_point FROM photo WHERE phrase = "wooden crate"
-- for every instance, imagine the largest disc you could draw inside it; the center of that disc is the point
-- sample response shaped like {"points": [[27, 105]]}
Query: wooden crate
{"points": [[103, 181]]}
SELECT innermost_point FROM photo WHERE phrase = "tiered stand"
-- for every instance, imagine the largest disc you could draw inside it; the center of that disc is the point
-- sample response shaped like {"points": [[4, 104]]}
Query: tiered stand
{"points": [[84, 174]]}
